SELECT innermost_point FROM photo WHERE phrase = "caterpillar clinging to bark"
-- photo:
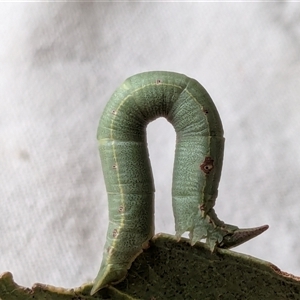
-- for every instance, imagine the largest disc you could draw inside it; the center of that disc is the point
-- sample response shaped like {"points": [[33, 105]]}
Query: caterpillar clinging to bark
{"points": [[127, 171]]}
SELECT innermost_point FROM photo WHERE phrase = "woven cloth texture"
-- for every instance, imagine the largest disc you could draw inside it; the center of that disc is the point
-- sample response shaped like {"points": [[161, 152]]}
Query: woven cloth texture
{"points": [[59, 64]]}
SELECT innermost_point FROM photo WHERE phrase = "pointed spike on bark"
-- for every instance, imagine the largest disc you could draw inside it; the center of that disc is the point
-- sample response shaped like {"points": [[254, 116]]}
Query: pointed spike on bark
{"points": [[241, 236]]}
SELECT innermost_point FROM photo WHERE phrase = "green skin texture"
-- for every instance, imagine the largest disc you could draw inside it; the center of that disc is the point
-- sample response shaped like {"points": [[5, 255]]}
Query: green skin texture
{"points": [[128, 176]]}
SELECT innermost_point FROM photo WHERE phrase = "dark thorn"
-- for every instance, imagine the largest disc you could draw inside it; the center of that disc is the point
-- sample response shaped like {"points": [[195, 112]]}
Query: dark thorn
{"points": [[241, 236]]}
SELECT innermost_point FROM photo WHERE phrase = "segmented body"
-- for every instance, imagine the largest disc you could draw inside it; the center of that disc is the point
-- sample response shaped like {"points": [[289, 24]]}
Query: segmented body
{"points": [[127, 171]]}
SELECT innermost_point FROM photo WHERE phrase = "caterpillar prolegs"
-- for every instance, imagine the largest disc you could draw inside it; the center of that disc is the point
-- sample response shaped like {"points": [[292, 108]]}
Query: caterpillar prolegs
{"points": [[127, 171]]}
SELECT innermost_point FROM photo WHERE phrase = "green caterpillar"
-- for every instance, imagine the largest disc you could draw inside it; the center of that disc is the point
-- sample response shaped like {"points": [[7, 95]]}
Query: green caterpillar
{"points": [[128, 176]]}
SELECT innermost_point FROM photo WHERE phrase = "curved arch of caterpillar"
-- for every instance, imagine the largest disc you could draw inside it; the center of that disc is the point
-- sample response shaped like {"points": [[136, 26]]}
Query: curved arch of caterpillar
{"points": [[128, 176]]}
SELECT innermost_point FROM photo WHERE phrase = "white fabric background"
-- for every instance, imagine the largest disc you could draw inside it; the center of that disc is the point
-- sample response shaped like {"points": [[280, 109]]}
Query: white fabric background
{"points": [[59, 64]]}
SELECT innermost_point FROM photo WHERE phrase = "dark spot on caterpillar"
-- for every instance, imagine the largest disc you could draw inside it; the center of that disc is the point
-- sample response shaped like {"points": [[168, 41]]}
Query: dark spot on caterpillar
{"points": [[207, 165], [114, 167], [115, 233], [121, 209], [205, 110], [114, 112], [158, 81], [201, 207]]}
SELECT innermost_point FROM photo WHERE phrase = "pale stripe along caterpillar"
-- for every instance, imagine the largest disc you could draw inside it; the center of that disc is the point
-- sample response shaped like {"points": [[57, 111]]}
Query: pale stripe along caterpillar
{"points": [[127, 171]]}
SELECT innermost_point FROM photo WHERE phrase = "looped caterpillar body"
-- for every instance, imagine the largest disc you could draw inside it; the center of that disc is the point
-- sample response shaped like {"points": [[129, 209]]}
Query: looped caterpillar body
{"points": [[128, 176]]}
